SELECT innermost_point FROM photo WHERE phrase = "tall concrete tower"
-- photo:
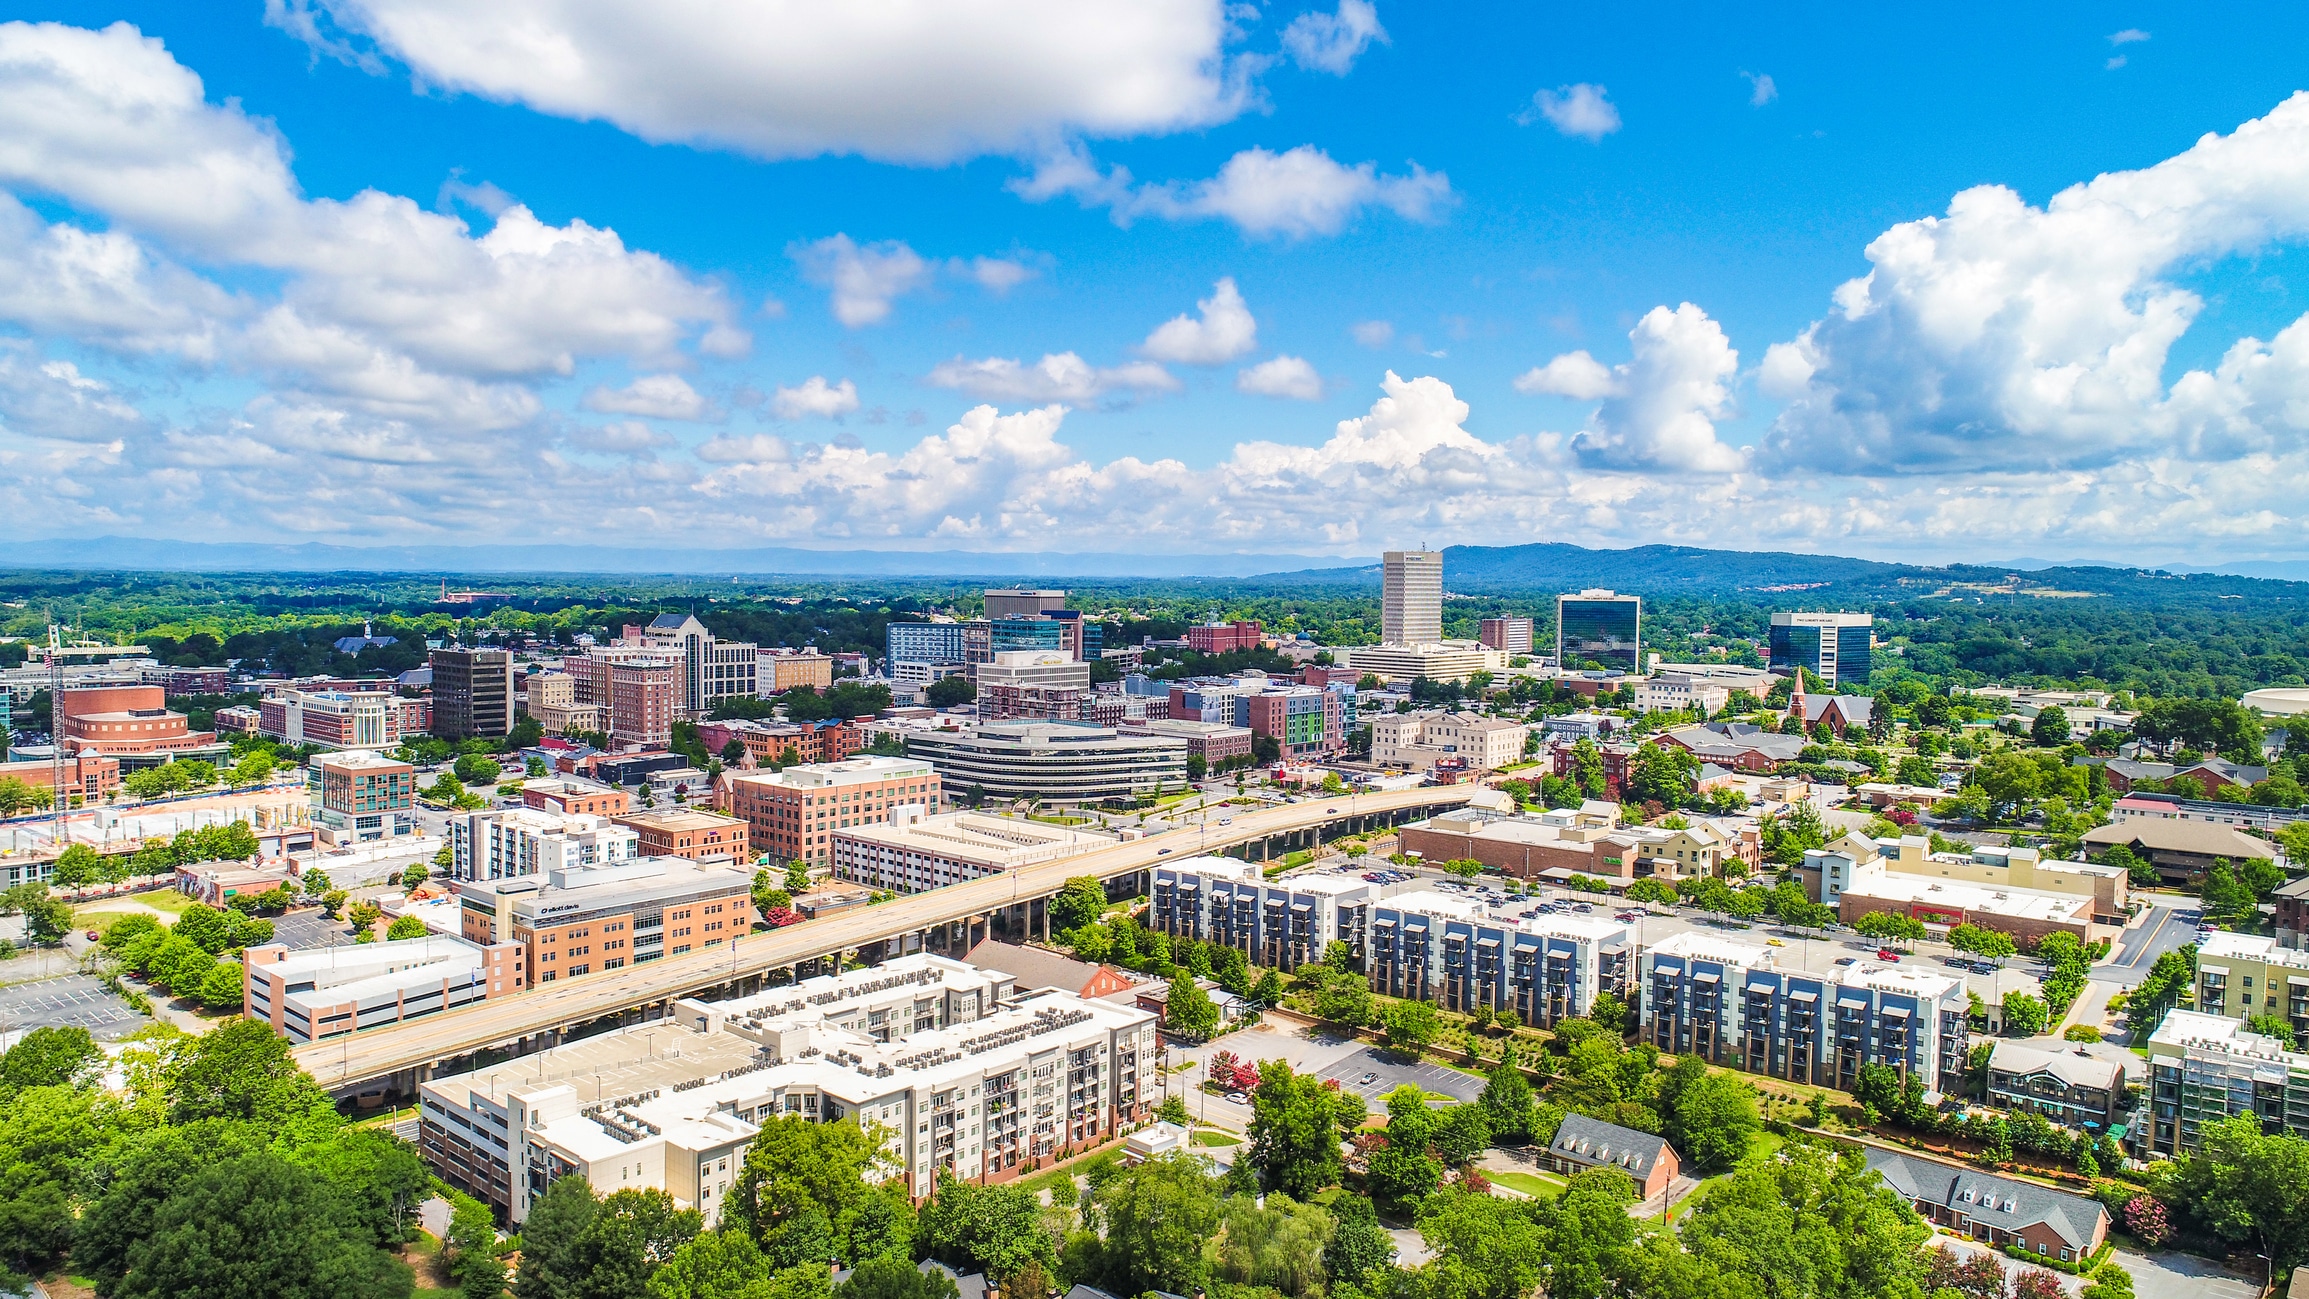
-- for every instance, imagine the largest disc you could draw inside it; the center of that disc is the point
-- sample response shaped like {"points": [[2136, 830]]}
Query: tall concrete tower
{"points": [[1411, 597]]}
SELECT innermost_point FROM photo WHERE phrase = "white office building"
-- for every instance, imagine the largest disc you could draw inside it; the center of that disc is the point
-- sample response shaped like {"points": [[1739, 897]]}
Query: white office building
{"points": [[532, 841], [1411, 597]]}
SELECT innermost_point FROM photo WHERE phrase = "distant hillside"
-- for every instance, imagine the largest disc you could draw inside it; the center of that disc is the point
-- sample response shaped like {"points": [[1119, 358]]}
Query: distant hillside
{"points": [[1786, 578]]}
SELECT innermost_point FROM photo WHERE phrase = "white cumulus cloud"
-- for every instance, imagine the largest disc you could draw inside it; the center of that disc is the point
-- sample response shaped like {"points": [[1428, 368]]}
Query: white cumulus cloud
{"points": [[815, 397], [1659, 407], [1573, 374], [1761, 88], [1580, 110], [653, 396], [1331, 42], [1295, 194], [1222, 331], [1282, 376], [896, 80], [864, 281], [1058, 377]]}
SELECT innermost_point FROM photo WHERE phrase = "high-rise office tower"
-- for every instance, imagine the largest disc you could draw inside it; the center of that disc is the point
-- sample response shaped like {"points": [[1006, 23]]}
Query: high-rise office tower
{"points": [[1839, 648], [1599, 629], [1017, 602], [1411, 597], [1508, 635], [472, 693]]}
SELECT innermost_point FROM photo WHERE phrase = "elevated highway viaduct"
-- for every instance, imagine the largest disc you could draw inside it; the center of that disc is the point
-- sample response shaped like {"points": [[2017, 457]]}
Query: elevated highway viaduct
{"points": [[396, 1057]]}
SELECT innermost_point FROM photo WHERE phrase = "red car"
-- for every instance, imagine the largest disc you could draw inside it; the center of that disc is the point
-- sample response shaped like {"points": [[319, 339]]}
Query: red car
{"points": [[93, 936], [1887, 954]]}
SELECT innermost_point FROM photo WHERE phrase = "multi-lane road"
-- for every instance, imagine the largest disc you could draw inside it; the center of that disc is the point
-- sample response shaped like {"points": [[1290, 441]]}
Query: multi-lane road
{"points": [[378, 1054]]}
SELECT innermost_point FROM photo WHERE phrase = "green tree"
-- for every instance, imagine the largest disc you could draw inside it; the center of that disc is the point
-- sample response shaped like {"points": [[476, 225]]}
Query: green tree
{"points": [[2050, 728], [1981, 942], [473, 769], [550, 1265], [77, 867], [1079, 903], [631, 1235], [405, 927], [896, 1278], [1343, 999], [241, 1070], [2024, 1015], [221, 987], [2271, 1025], [1461, 1133], [994, 1229], [1506, 1102], [1278, 1245], [1158, 1216], [51, 1056], [1890, 926], [1713, 1121], [1663, 774], [1359, 1246], [720, 1265], [797, 1170], [416, 874], [1410, 1025], [2255, 1188], [255, 1225], [1294, 1132], [949, 692], [797, 876], [1189, 1012], [472, 1244]]}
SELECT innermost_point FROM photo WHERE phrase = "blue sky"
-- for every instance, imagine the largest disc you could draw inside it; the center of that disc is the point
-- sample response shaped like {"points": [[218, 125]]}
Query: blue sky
{"points": [[244, 307]]}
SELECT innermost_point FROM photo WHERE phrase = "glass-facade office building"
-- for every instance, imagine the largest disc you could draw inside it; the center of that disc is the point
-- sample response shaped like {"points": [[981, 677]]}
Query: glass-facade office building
{"points": [[1599, 629], [925, 642], [1836, 647]]}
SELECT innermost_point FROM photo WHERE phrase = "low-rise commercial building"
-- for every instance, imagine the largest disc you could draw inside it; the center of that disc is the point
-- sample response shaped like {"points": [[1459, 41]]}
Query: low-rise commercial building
{"points": [[573, 796], [1056, 762], [792, 814], [574, 921], [2206, 1068], [969, 1075], [326, 992], [2181, 850], [524, 841], [1582, 1143], [909, 851], [688, 833], [1431, 738], [1905, 867], [1224, 637], [1438, 661], [1997, 1211], [2073, 1088], [1732, 1003], [87, 776], [1213, 742], [364, 796]]}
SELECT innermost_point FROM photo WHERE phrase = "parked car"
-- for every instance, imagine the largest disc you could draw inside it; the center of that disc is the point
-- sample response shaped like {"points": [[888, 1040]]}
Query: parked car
{"points": [[1366, 1080], [1846, 960], [1887, 954], [1239, 1098]]}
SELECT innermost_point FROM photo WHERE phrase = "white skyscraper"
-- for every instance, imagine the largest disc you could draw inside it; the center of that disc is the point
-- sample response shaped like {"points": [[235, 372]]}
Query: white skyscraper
{"points": [[1411, 598]]}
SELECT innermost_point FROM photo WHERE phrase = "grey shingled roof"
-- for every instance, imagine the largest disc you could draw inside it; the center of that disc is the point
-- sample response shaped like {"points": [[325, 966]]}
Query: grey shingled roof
{"points": [[2158, 834], [1593, 1141], [2072, 1217]]}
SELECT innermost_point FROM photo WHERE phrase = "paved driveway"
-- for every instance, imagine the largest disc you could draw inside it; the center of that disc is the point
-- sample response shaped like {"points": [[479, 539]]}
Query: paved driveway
{"points": [[2181, 1276], [2165, 929], [299, 930], [73, 1000]]}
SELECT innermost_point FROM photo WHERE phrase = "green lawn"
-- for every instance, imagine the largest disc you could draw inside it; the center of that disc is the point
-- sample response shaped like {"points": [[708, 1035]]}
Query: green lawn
{"points": [[1206, 1137], [1537, 1185]]}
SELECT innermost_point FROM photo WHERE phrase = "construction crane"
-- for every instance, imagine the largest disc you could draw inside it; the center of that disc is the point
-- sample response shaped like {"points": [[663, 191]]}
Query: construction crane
{"points": [[56, 651]]}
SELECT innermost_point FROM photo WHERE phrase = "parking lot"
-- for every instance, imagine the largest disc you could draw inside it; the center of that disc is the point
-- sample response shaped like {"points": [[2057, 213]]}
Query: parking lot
{"points": [[1388, 1072], [72, 1000], [299, 930]]}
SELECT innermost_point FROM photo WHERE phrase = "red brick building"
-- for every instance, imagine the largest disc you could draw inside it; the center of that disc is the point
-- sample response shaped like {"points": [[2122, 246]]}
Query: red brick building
{"points": [[126, 721], [1221, 637]]}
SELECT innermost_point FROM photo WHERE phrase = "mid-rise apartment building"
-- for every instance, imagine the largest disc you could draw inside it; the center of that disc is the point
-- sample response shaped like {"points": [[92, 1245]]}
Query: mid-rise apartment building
{"points": [[930, 643], [644, 699], [1425, 739], [792, 814], [574, 921], [1452, 950], [325, 992], [780, 670], [472, 693], [364, 796], [527, 841], [826, 740], [909, 851], [1507, 635], [689, 833], [2243, 975], [575, 796], [1303, 721], [1224, 637], [552, 700], [1282, 923], [2205, 1068], [1733, 1003], [1055, 762], [968, 1075], [1213, 742]]}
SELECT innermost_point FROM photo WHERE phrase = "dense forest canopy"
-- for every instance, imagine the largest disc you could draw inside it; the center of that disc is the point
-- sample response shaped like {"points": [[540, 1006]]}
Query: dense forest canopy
{"points": [[2199, 636]]}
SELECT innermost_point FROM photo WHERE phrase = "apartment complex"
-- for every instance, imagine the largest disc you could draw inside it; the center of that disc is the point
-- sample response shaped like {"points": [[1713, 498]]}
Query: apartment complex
{"points": [[1411, 597], [1731, 1003], [1599, 628], [1213, 742], [931, 643], [1224, 637], [644, 699], [969, 1075], [1057, 762], [1507, 635], [909, 851], [2243, 975], [688, 833], [472, 693], [364, 796], [792, 815], [2204, 1068], [2073, 1088], [552, 700], [572, 921], [575, 796], [526, 841], [1282, 923], [327, 992], [827, 740], [1838, 648], [780, 670], [1450, 949]]}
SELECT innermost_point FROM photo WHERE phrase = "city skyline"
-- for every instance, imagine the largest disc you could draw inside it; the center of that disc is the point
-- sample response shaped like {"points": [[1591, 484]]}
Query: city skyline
{"points": [[1331, 279]]}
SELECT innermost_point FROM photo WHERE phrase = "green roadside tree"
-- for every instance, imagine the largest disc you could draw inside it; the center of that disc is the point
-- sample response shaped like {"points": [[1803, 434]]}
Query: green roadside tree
{"points": [[1411, 1025], [1077, 904], [1294, 1134], [1189, 1012], [2024, 1015]]}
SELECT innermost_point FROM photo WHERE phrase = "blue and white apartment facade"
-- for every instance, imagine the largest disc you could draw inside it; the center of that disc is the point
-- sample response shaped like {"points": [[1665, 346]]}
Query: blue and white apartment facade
{"points": [[1281, 924], [1731, 1003], [1433, 946]]}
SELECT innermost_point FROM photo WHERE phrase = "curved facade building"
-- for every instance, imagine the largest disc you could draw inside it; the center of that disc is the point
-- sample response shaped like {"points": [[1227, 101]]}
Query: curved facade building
{"points": [[1057, 762]]}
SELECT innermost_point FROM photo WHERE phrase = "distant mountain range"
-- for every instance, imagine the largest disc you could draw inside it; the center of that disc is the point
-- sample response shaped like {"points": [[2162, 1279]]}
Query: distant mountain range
{"points": [[1469, 569]]}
